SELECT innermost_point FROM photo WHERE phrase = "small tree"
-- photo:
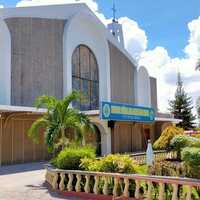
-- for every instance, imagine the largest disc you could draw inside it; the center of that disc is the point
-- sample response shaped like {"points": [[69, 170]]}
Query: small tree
{"points": [[181, 107], [59, 119], [198, 109]]}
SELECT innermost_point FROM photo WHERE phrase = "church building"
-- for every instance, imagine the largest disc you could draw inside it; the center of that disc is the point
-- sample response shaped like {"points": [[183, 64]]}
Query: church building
{"points": [[52, 50]]}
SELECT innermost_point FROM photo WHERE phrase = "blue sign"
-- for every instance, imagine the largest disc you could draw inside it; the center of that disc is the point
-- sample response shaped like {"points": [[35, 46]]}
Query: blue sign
{"points": [[126, 112]]}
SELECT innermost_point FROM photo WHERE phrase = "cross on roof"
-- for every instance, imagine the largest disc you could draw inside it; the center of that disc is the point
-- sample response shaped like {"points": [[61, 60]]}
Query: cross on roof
{"points": [[114, 11]]}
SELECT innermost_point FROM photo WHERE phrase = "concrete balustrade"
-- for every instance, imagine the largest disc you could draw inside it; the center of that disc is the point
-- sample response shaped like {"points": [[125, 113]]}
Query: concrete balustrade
{"points": [[140, 158], [99, 183]]}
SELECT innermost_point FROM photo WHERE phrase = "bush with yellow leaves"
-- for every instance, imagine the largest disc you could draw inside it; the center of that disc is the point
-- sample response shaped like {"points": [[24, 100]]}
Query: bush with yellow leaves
{"points": [[163, 142]]}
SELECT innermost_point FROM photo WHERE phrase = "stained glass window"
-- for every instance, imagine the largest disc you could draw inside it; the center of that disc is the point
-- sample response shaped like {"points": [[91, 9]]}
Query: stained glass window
{"points": [[85, 77]]}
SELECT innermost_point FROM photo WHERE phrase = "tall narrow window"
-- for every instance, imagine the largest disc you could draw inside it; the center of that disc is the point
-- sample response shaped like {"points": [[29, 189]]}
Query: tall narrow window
{"points": [[85, 77]]}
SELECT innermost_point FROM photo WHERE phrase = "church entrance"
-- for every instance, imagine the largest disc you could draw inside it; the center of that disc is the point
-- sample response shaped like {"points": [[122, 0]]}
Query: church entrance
{"points": [[126, 137]]}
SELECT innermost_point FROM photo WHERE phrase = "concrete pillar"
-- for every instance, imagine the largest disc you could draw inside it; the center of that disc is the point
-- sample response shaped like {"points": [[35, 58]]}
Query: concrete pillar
{"points": [[105, 134]]}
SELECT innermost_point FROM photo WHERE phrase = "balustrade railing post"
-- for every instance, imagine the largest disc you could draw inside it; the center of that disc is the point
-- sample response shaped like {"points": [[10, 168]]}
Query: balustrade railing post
{"points": [[189, 192], [175, 192], [62, 182], [116, 182], [137, 189], [87, 184], [96, 185], [69, 185], [105, 186], [161, 191], [126, 188], [55, 179], [78, 183], [149, 191]]}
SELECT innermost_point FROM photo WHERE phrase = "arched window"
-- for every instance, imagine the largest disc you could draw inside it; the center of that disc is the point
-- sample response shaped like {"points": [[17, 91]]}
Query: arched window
{"points": [[85, 77]]}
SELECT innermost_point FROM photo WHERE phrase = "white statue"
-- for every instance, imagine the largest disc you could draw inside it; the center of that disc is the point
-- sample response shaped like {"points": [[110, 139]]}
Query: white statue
{"points": [[149, 155]]}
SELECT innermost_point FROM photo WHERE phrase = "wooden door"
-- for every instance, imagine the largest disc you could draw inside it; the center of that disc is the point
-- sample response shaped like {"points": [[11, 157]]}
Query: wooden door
{"points": [[137, 138], [127, 137], [121, 137]]}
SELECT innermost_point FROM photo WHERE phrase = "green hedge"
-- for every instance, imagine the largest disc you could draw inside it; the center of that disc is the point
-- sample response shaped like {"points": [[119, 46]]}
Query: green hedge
{"points": [[70, 157], [191, 158], [181, 141]]}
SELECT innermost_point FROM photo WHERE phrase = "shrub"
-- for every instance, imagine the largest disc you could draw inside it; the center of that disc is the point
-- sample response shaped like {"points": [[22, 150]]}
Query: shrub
{"points": [[163, 141], [197, 129], [168, 168], [196, 135], [191, 158], [70, 157], [181, 141], [112, 163]]}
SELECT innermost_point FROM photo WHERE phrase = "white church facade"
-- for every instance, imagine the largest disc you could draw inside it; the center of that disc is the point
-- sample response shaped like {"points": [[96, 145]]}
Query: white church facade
{"points": [[53, 50]]}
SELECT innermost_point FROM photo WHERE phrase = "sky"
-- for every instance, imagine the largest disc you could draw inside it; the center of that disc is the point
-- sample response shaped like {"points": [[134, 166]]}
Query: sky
{"points": [[163, 36]]}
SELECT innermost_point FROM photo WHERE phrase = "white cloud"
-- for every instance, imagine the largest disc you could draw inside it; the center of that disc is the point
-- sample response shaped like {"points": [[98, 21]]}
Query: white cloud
{"points": [[193, 47], [165, 68], [1, 6], [134, 37], [154, 60]]}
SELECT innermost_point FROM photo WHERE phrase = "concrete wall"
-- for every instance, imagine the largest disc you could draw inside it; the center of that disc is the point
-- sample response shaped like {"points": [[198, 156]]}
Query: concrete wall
{"points": [[153, 85], [36, 59], [143, 87], [5, 63], [105, 134], [122, 77]]}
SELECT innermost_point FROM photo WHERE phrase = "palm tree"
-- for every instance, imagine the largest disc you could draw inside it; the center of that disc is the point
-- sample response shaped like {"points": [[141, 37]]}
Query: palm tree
{"points": [[58, 119]]}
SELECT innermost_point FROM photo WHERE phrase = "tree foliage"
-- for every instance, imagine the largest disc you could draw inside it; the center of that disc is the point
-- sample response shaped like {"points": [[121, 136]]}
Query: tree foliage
{"points": [[58, 119], [70, 157], [198, 109], [163, 142], [181, 141], [191, 158], [181, 107]]}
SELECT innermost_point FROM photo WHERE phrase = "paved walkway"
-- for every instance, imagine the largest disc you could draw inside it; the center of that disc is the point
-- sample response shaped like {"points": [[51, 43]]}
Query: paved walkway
{"points": [[25, 182]]}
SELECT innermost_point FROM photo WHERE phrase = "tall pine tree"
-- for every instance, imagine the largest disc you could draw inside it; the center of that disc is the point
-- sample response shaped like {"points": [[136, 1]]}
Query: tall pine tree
{"points": [[198, 109], [181, 107]]}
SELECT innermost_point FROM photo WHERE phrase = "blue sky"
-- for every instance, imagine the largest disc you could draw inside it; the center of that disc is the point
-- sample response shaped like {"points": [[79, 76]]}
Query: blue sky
{"points": [[165, 22], [163, 36]]}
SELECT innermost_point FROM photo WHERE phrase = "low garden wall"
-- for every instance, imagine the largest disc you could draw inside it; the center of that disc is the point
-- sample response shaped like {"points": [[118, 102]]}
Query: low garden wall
{"points": [[116, 186], [158, 156]]}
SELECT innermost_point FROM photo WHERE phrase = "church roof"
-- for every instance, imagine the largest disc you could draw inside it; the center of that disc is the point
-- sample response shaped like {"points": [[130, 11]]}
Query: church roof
{"points": [[64, 12]]}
